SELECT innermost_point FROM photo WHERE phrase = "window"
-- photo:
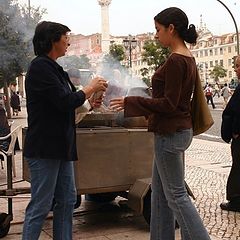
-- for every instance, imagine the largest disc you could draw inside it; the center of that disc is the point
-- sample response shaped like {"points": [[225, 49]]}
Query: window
{"points": [[211, 52], [221, 51], [221, 62], [216, 51], [229, 62], [229, 49], [211, 63], [230, 74], [216, 62], [206, 53]]}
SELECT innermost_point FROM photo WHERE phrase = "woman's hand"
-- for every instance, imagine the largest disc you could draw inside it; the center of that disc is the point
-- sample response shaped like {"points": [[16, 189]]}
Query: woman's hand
{"points": [[97, 84], [117, 104], [95, 102]]}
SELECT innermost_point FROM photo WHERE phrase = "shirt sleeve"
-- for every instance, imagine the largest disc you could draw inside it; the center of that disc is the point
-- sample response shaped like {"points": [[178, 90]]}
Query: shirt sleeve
{"points": [[138, 106], [82, 111]]}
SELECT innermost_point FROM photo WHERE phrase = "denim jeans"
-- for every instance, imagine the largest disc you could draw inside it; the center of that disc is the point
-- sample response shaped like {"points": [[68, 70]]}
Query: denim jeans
{"points": [[50, 178], [170, 199]]}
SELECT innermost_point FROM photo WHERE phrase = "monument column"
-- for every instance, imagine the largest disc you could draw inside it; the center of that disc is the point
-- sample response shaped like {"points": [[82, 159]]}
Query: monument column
{"points": [[105, 24]]}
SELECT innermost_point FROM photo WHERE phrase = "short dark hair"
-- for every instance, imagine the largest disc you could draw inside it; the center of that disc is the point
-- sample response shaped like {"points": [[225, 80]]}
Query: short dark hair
{"points": [[179, 19], [47, 33]]}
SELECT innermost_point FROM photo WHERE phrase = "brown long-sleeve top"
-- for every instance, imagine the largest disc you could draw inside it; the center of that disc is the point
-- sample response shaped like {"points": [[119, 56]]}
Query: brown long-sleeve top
{"points": [[168, 110]]}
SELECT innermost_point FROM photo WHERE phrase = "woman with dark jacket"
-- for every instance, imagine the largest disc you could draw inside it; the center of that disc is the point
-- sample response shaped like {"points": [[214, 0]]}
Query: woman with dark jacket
{"points": [[233, 183], [50, 143]]}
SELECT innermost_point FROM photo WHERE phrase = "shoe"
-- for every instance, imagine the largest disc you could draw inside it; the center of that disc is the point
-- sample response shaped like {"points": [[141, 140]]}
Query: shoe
{"points": [[228, 206]]}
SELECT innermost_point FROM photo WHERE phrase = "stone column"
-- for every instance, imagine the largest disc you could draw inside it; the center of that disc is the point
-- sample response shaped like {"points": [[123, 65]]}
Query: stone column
{"points": [[105, 24]]}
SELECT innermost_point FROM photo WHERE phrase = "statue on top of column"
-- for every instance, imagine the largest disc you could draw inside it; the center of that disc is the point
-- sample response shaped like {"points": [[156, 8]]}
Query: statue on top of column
{"points": [[104, 2]]}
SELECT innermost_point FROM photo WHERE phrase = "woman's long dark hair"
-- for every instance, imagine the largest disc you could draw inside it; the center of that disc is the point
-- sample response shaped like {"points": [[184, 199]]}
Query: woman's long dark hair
{"points": [[179, 19]]}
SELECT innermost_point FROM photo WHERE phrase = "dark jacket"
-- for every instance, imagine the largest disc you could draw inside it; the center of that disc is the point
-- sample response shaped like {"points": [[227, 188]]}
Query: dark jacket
{"points": [[15, 101], [231, 117], [169, 109], [51, 101], [4, 129]]}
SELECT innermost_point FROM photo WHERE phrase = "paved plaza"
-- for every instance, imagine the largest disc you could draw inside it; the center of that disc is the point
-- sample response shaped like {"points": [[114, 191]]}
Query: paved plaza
{"points": [[207, 167]]}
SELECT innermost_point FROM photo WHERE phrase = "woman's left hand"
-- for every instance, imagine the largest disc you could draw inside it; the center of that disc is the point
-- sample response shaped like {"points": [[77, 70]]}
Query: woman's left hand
{"points": [[95, 103], [117, 104]]}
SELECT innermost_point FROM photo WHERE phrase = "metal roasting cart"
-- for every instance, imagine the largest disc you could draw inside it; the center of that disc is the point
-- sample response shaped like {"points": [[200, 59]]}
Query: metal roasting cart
{"points": [[115, 157]]}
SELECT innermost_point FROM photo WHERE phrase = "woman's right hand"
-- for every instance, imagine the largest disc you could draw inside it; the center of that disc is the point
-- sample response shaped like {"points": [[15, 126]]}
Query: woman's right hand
{"points": [[96, 84], [117, 104]]}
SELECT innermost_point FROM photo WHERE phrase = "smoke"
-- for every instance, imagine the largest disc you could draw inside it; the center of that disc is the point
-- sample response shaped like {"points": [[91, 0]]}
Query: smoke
{"points": [[120, 80], [15, 37]]}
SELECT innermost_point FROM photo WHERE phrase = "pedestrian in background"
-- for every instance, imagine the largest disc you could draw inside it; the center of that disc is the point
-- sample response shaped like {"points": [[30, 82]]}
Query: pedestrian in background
{"points": [[225, 93], [209, 95], [5, 129], [216, 90], [169, 117], [50, 142], [233, 183], [15, 103]]}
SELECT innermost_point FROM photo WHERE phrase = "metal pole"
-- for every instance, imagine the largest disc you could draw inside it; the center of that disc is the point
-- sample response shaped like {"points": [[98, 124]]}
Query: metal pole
{"points": [[130, 53], [29, 9], [234, 24]]}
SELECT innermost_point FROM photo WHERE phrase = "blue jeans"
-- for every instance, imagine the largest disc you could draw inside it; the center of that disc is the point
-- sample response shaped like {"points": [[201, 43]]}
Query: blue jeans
{"points": [[50, 178], [170, 199]]}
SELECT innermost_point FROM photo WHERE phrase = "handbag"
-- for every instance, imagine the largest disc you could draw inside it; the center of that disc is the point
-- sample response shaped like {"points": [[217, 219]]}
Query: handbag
{"points": [[201, 117]]}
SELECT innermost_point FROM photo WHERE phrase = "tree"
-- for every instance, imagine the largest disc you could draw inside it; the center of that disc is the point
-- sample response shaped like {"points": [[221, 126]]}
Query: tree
{"points": [[74, 61], [113, 59], [154, 55], [84, 61], [117, 52], [218, 72], [15, 44]]}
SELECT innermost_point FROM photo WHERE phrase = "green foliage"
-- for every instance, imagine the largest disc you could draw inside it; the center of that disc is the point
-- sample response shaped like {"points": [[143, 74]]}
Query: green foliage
{"points": [[117, 52], [154, 55], [74, 61], [218, 72], [114, 58], [16, 31]]}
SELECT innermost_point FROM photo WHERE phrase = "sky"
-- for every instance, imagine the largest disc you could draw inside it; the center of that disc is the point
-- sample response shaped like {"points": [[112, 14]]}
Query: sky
{"points": [[136, 16]]}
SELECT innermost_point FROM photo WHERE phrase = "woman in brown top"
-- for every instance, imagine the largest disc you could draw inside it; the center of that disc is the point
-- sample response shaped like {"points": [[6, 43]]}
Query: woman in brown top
{"points": [[169, 118]]}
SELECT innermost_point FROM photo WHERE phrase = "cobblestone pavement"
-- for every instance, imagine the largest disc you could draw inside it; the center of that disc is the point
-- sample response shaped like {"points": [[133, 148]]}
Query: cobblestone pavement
{"points": [[207, 167]]}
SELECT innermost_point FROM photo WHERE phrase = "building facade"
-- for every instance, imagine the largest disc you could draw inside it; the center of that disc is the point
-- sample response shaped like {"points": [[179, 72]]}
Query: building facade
{"points": [[213, 50], [209, 51]]}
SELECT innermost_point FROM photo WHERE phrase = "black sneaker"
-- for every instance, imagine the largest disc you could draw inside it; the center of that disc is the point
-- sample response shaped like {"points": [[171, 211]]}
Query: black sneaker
{"points": [[228, 206]]}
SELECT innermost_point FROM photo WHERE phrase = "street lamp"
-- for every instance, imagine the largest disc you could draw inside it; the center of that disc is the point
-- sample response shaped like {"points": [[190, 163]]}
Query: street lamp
{"points": [[235, 24], [130, 43]]}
